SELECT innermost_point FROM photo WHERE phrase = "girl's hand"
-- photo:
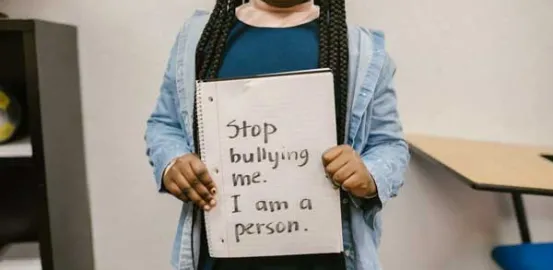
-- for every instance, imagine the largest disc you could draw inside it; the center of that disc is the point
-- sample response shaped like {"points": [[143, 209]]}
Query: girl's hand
{"points": [[188, 179], [347, 170]]}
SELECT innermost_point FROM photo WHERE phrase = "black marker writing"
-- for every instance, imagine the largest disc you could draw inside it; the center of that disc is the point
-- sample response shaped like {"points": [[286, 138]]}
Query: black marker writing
{"points": [[305, 204], [235, 197], [271, 206], [273, 157], [241, 229], [247, 130], [245, 179]]}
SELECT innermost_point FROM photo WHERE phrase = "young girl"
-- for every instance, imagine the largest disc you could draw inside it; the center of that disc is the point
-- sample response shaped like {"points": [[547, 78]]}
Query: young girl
{"points": [[269, 36]]}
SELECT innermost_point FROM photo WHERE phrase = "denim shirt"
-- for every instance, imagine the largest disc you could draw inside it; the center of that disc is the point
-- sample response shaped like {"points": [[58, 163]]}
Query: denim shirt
{"points": [[373, 130]]}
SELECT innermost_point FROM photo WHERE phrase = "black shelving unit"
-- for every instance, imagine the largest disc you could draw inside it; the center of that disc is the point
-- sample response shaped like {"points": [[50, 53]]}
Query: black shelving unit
{"points": [[39, 63]]}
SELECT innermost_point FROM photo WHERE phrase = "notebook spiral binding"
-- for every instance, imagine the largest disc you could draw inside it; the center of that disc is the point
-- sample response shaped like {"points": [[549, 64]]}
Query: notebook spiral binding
{"points": [[201, 143], [200, 121], [201, 149]]}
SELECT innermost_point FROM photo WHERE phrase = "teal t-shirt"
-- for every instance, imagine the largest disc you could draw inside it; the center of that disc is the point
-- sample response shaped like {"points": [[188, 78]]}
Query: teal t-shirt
{"points": [[259, 50]]}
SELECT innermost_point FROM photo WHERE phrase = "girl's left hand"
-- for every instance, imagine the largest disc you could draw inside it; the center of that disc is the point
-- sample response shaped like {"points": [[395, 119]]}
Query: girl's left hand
{"points": [[347, 170]]}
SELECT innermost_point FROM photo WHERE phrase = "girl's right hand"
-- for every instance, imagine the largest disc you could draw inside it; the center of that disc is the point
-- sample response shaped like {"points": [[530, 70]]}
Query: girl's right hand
{"points": [[189, 180]]}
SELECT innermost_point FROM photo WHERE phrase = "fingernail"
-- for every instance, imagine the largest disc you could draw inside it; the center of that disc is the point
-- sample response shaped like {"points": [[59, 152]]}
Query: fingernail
{"points": [[207, 208], [213, 191], [212, 202]]}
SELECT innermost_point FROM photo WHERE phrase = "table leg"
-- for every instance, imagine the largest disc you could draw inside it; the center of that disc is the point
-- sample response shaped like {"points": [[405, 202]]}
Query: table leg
{"points": [[521, 217]]}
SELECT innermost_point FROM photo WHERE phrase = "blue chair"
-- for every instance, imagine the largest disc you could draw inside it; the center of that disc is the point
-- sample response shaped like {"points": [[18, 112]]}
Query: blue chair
{"points": [[524, 256]]}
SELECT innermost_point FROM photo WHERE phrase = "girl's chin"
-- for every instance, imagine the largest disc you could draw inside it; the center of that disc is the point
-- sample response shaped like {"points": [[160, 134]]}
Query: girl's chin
{"points": [[284, 3]]}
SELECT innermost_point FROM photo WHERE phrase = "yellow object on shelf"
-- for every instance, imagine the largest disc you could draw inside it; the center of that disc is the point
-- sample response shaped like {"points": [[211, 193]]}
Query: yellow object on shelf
{"points": [[4, 100], [10, 116]]}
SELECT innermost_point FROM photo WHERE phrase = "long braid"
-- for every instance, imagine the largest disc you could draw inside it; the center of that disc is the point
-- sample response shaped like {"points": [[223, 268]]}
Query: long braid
{"points": [[335, 66], [324, 33], [343, 66], [333, 37], [229, 20], [206, 43], [204, 39]]}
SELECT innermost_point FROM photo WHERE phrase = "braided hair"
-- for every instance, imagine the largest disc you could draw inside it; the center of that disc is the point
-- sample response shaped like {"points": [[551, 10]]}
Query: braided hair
{"points": [[333, 48]]}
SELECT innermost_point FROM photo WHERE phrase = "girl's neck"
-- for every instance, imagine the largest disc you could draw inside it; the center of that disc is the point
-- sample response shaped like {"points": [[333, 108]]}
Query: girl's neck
{"points": [[260, 14]]}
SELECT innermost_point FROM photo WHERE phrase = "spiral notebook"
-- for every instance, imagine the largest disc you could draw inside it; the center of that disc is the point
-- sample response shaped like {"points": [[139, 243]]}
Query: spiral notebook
{"points": [[262, 139]]}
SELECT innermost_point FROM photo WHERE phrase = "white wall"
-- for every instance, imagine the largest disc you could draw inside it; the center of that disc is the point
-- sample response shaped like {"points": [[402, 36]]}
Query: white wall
{"points": [[476, 69], [124, 46]]}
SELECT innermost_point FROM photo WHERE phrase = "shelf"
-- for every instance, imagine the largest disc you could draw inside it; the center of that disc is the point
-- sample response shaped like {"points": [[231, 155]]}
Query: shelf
{"points": [[21, 264], [17, 149], [20, 257], [34, 55]]}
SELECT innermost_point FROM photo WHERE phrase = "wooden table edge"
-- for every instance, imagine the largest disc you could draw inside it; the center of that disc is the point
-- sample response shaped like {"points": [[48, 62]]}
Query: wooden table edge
{"points": [[477, 186]]}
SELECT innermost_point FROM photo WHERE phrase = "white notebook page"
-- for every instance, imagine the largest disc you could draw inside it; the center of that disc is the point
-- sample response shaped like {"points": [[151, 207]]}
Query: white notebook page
{"points": [[262, 140]]}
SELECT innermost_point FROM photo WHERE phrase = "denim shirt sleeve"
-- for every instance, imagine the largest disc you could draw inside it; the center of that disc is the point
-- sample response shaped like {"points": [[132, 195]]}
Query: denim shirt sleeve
{"points": [[386, 154], [165, 136]]}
